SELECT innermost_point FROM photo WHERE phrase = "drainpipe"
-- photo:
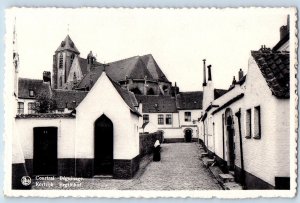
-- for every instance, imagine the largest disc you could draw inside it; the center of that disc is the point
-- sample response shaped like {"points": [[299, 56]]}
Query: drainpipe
{"points": [[238, 115]]}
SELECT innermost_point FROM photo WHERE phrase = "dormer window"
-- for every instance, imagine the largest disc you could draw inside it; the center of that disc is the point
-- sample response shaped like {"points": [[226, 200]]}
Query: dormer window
{"points": [[31, 93], [63, 43]]}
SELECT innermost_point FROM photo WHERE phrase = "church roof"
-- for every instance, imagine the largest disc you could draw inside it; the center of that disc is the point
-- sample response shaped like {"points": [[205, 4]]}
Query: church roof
{"points": [[189, 100], [275, 67], [157, 103], [133, 68], [68, 98], [153, 68], [38, 87], [67, 44], [84, 64]]}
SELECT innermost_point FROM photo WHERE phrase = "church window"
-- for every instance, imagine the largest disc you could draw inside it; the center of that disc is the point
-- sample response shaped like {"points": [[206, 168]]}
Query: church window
{"points": [[248, 123], [61, 61], [169, 119], [160, 119], [150, 92], [74, 77], [31, 93], [31, 107], [20, 108], [187, 116], [72, 58], [60, 81], [145, 118], [257, 125]]}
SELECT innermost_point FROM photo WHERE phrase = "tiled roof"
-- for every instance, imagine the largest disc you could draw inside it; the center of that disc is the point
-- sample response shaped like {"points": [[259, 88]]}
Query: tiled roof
{"points": [[190, 100], [83, 65], [46, 115], [67, 44], [153, 68], [38, 86], [157, 103], [275, 67], [219, 92], [137, 67], [68, 98]]}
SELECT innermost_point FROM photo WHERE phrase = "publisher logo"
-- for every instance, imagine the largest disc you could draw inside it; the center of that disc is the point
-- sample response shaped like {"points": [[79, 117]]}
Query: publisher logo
{"points": [[26, 180]]}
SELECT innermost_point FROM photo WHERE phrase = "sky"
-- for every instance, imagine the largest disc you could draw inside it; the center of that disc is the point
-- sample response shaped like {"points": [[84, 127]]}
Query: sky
{"points": [[179, 39]]}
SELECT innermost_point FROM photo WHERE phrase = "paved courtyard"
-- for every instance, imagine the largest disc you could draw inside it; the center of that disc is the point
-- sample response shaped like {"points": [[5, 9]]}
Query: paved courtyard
{"points": [[180, 168]]}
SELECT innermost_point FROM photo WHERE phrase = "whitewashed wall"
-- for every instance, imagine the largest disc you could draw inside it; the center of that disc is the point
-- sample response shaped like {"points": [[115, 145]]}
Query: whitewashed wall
{"points": [[65, 134], [125, 125]]}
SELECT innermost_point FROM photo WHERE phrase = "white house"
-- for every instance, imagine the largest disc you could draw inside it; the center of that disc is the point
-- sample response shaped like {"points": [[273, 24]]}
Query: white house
{"points": [[247, 129], [94, 139]]}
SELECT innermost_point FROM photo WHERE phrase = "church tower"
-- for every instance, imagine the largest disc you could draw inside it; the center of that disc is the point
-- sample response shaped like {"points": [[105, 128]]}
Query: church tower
{"points": [[15, 62], [62, 61]]}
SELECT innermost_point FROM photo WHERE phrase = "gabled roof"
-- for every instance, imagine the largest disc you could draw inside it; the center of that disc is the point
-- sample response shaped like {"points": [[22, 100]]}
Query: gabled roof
{"points": [[67, 44], [128, 97], [38, 86], [157, 103], [68, 98], [275, 67], [219, 92], [132, 68], [190, 100], [153, 68]]}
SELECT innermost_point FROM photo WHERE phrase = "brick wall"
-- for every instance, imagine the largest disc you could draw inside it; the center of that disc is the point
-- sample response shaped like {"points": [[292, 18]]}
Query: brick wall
{"points": [[147, 141]]}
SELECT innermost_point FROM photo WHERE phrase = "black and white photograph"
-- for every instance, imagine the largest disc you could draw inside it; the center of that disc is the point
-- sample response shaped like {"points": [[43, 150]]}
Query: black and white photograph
{"points": [[119, 102]]}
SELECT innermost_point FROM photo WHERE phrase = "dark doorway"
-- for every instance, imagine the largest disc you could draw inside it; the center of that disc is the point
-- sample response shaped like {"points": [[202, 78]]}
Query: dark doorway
{"points": [[103, 147], [230, 135], [45, 150], [188, 135]]}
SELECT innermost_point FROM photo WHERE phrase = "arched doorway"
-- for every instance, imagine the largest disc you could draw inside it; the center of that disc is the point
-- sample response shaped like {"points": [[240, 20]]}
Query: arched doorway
{"points": [[230, 138], [103, 146], [188, 135]]}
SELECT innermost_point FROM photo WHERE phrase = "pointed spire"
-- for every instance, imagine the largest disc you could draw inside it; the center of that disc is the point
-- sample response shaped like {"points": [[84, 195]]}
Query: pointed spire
{"points": [[204, 73], [67, 44]]}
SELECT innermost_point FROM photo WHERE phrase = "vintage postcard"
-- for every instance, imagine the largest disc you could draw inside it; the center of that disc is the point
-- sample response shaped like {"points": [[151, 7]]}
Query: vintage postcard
{"points": [[151, 102]]}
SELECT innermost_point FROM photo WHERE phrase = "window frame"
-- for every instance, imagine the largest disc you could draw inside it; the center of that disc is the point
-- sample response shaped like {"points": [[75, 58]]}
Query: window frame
{"points": [[31, 91], [248, 125], [187, 116], [160, 119], [169, 119], [145, 116], [31, 107], [19, 109], [257, 135]]}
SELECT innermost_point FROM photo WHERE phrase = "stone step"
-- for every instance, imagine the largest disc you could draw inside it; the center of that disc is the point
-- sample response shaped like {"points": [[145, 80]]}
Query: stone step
{"points": [[231, 172], [204, 154], [225, 177], [216, 171], [232, 186], [207, 162]]}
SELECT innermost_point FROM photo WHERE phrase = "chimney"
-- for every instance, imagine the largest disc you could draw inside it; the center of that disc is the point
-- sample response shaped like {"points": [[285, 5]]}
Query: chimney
{"points": [[90, 61], [241, 74], [47, 76], [233, 81], [204, 73], [283, 31], [209, 72]]}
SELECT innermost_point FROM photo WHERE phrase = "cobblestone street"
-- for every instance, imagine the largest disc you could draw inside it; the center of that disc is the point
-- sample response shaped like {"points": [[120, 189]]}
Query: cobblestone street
{"points": [[180, 168]]}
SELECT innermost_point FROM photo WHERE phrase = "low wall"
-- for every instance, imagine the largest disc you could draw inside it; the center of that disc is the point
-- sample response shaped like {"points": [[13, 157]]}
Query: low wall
{"points": [[147, 141]]}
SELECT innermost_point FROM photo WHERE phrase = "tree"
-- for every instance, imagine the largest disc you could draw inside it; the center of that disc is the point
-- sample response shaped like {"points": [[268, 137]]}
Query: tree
{"points": [[45, 104]]}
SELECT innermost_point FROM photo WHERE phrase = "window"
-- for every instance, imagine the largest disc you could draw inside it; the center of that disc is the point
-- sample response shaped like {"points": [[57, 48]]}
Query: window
{"points": [[74, 77], [257, 127], [160, 119], [187, 116], [72, 58], [20, 108], [60, 81], [61, 61], [31, 93], [145, 118], [169, 119], [31, 107], [248, 123]]}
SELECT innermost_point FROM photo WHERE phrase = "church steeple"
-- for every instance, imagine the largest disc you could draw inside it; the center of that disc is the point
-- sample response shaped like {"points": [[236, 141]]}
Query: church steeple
{"points": [[62, 62], [15, 61]]}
